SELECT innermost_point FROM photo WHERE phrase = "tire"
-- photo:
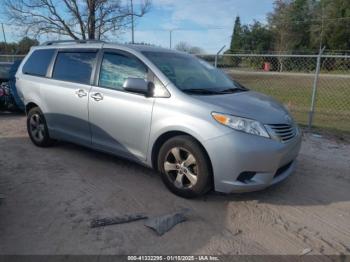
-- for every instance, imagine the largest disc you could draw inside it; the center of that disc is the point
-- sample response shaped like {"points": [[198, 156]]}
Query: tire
{"points": [[184, 166], [37, 128]]}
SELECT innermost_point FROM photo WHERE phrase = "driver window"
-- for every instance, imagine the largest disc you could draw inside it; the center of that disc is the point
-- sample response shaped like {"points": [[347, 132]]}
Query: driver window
{"points": [[116, 68]]}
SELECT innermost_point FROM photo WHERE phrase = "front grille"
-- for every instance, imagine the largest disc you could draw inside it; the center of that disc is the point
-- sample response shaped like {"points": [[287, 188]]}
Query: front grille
{"points": [[282, 132]]}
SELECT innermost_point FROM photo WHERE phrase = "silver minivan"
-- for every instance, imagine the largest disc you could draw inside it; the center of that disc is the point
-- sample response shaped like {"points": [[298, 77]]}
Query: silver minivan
{"points": [[166, 109]]}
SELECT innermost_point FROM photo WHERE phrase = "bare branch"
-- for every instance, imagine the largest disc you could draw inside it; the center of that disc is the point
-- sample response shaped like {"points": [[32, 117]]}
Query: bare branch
{"points": [[74, 9], [78, 19]]}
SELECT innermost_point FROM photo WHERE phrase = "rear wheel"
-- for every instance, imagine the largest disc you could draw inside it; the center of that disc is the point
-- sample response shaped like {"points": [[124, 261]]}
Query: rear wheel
{"points": [[184, 167], [37, 128]]}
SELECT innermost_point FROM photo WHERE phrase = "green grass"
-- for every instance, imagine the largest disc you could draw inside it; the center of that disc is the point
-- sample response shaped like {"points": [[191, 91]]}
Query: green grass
{"points": [[332, 110]]}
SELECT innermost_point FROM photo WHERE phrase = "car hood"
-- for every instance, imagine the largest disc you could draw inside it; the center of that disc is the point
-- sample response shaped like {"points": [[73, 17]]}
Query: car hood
{"points": [[248, 104]]}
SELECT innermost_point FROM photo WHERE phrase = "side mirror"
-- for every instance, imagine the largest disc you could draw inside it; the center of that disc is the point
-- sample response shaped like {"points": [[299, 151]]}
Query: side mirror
{"points": [[139, 86]]}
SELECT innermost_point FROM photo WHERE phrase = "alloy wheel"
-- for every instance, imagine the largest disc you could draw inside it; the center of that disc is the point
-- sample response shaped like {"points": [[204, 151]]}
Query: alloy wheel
{"points": [[181, 167], [37, 127]]}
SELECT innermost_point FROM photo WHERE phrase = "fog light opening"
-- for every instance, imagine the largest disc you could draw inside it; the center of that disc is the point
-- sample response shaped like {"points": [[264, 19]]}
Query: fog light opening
{"points": [[245, 177]]}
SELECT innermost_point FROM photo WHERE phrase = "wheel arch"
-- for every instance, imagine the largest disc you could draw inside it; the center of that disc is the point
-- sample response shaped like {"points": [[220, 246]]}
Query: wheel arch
{"points": [[30, 105], [165, 137]]}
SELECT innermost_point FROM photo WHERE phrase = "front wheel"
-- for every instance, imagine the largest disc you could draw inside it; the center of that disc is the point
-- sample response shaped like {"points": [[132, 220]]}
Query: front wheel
{"points": [[185, 167], [37, 128]]}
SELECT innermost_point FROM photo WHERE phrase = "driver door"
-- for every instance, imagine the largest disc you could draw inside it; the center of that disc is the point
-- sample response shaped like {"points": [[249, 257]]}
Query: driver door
{"points": [[120, 121]]}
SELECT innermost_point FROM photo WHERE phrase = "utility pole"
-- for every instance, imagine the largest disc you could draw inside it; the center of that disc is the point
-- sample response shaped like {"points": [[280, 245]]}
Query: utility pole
{"points": [[3, 32], [132, 22]]}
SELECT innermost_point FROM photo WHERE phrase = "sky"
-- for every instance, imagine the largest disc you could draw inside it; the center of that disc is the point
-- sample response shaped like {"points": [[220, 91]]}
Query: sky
{"points": [[207, 24], [204, 23]]}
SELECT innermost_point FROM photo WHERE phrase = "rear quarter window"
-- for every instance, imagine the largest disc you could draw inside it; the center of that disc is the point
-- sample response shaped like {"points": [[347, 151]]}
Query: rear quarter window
{"points": [[38, 62]]}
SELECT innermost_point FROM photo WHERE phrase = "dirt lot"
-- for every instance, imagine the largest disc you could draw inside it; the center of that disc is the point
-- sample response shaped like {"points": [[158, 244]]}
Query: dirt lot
{"points": [[51, 195]]}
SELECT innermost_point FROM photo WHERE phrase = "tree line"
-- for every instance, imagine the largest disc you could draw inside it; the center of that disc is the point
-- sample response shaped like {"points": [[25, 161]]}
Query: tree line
{"points": [[22, 47], [296, 26]]}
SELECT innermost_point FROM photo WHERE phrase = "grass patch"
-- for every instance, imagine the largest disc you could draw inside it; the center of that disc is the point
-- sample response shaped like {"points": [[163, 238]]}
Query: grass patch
{"points": [[332, 110]]}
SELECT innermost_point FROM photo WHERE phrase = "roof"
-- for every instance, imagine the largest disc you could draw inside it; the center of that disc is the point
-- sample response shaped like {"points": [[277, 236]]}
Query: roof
{"points": [[100, 44], [149, 48]]}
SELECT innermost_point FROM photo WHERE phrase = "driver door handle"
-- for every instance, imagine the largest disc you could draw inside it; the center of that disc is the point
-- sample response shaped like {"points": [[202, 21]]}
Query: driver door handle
{"points": [[81, 93], [97, 96]]}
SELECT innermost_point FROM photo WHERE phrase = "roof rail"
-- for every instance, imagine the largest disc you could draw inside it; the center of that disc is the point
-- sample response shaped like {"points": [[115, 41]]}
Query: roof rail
{"points": [[72, 41]]}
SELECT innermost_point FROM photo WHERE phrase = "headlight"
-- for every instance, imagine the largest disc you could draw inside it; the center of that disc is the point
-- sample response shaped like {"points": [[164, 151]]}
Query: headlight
{"points": [[241, 124]]}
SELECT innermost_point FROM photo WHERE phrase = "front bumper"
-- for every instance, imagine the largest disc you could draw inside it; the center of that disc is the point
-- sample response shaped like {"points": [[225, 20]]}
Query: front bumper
{"points": [[237, 152]]}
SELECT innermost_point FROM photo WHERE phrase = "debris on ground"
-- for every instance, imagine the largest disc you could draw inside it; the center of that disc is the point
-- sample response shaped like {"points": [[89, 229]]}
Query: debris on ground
{"points": [[238, 232], [316, 135], [117, 220], [306, 251], [163, 224]]}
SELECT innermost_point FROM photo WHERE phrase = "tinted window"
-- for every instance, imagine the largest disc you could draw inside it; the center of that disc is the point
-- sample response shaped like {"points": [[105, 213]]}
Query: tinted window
{"points": [[38, 62], [116, 68], [74, 66]]}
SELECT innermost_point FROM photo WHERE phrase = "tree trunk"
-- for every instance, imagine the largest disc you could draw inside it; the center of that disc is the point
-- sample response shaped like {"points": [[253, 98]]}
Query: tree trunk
{"points": [[92, 19]]}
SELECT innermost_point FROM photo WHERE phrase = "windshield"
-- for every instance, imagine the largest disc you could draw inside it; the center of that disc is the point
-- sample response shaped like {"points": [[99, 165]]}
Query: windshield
{"points": [[191, 74]]}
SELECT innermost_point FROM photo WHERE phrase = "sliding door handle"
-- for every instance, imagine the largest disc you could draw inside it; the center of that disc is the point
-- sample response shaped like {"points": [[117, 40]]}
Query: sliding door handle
{"points": [[97, 96]]}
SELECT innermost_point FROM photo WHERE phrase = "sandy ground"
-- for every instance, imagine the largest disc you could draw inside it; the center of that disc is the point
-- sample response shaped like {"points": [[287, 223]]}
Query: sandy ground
{"points": [[51, 195]]}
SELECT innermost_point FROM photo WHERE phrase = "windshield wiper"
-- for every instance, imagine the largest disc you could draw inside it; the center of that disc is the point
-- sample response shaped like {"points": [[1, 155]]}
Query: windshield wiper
{"points": [[233, 90], [201, 91]]}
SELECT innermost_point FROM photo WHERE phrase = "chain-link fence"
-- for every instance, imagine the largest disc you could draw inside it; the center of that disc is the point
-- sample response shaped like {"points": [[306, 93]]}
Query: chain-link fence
{"points": [[10, 58], [315, 97], [316, 89]]}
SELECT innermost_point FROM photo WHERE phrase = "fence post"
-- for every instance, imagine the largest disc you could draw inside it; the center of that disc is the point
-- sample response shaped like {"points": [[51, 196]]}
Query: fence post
{"points": [[217, 54], [314, 88]]}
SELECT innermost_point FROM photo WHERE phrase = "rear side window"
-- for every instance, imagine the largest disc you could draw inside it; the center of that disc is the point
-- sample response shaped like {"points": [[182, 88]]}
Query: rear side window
{"points": [[74, 66], [38, 62], [116, 68]]}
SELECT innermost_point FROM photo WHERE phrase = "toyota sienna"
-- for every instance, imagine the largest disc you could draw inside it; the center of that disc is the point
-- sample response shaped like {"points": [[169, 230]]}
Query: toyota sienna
{"points": [[166, 109]]}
